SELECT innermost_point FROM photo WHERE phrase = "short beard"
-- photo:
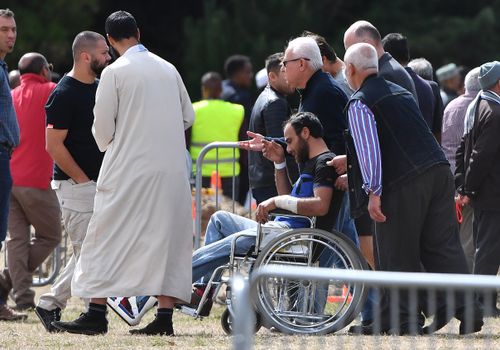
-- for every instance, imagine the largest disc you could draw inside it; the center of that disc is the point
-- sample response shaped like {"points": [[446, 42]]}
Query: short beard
{"points": [[302, 154], [97, 67]]}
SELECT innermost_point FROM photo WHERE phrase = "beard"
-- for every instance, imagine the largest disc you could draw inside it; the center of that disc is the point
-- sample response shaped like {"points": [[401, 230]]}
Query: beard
{"points": [[97, 67], [302, 154]]}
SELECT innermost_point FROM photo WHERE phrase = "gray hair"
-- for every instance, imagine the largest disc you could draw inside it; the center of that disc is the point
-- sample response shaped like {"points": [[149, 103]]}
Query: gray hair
{"points": [[363, 56], [306, 47], [472, 81], [422, 67]]}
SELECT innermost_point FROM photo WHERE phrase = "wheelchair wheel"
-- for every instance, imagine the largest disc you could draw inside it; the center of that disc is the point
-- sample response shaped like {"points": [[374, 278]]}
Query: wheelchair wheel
{"points": [[226, 321], [309, 307]]}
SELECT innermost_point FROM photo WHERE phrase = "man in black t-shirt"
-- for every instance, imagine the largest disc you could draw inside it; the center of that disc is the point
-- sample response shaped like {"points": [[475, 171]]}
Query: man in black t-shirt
{"points": [[76, 156]]}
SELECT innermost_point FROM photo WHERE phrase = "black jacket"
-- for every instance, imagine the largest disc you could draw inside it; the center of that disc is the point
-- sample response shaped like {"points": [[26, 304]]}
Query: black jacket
{"points": [[268, 114], [478, 159]]}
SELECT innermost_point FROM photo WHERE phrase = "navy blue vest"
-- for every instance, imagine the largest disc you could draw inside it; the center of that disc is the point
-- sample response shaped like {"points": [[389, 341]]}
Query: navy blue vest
{"points": [[407, 146]]}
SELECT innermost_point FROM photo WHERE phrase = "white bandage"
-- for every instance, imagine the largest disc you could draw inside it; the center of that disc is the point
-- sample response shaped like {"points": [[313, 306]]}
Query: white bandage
{"points": [[287, 202], [279, 166]]}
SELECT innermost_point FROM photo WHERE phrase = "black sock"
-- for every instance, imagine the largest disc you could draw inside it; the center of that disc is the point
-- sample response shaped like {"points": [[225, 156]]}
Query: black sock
{"points": [[97, 310], [164, 314]]}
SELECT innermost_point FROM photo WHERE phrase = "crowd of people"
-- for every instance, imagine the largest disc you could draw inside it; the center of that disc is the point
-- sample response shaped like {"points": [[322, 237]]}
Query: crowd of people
{"points": [[406, 167]]}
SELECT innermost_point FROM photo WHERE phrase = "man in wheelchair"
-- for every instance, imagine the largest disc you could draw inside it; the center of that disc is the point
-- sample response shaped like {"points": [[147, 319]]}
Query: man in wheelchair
{"points": [[313, 194]]}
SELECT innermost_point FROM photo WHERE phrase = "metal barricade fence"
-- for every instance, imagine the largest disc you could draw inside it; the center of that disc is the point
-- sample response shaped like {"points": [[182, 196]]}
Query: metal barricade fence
{"points": [[198, 183], [246, 292]]}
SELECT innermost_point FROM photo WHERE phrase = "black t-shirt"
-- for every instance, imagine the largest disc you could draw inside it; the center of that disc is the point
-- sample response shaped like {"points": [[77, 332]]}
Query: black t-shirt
{"points": [[316, 173], [70, 107]]}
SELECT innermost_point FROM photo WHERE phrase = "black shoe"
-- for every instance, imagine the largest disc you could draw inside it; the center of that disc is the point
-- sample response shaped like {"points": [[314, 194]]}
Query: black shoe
{"points": [[156, 327], [466, 328], [84, 324], [47, 317], [405, 329], [441, 319], [366, 328]]}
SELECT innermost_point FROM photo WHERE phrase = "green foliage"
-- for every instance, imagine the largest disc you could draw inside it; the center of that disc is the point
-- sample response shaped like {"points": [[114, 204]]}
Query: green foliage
{"points": [[49, 27]]}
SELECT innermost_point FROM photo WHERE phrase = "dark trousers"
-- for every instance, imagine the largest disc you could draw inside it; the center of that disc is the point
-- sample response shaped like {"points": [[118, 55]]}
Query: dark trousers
{"points": [[421, 230], [487, 235], [263, 193]]}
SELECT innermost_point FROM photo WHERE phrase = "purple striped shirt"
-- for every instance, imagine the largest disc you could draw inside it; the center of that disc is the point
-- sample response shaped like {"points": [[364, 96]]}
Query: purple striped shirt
{"points": [[364, 132]]}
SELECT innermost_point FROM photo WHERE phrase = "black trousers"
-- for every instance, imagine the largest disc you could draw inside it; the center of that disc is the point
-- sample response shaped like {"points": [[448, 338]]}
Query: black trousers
{"points": [[421, 230], [487, 236]]}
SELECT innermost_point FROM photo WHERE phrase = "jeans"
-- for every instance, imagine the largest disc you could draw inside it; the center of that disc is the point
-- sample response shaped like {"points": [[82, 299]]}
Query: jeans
{"points": [[5, 188], [344, 222], [217, 248]]}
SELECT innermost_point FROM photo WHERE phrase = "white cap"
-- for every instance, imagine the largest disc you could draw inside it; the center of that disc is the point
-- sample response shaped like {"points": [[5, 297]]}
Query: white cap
{"points": [[261, 78]]}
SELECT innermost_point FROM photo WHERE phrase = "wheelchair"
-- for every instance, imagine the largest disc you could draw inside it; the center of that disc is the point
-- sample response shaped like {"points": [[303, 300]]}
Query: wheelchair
{"points": [[286, 305]]}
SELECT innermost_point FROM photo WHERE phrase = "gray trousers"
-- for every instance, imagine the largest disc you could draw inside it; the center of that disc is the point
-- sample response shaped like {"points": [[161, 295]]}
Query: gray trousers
{"points": [[77, 204]]}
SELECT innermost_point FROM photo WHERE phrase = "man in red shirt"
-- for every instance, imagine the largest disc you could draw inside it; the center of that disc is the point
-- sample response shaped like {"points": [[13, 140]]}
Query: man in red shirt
{"points": [[32, 201]]}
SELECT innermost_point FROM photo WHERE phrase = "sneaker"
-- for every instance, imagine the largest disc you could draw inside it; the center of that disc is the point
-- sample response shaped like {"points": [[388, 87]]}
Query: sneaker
{"points": [[156, 327], [47, 317], [84, 324], [7, 314]]}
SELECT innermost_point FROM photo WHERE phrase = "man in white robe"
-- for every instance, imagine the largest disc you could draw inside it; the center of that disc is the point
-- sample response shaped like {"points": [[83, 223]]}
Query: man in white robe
{"points": [[139, 240]]}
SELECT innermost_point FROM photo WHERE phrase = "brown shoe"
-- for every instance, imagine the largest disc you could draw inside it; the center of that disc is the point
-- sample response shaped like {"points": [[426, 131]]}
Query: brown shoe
{"points": [[7, 314]]}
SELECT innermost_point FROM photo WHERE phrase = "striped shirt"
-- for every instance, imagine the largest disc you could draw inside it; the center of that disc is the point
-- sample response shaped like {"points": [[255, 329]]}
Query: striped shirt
{"points": [[9, 129], [364, 133]]}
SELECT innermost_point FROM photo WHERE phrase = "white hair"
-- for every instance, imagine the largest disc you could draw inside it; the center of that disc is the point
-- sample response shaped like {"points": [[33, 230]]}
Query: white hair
{"points": [[306, 47], [472, 81], [363, 56], [422, 67]]}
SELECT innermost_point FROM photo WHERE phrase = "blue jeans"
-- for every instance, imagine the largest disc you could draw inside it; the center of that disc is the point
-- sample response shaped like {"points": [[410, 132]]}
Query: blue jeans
{"points": [[217, 248], [5, 188], [344, 222]]}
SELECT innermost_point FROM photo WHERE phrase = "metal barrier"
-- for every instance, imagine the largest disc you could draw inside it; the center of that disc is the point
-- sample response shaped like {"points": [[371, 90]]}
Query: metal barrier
{"points": [[246, 291], [198, 183]]}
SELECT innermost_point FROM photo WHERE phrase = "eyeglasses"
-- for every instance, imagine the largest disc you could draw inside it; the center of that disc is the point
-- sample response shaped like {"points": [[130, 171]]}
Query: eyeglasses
{"points": [[50, 66], [284, 63]]}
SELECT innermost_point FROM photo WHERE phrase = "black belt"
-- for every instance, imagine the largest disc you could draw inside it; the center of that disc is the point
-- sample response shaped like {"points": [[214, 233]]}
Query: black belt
{"points": [[6, 146]]}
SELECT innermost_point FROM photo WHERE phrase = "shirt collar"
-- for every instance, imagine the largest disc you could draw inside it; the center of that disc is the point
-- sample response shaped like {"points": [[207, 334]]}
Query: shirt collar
{"points": [[134, 49], [33, 77]]}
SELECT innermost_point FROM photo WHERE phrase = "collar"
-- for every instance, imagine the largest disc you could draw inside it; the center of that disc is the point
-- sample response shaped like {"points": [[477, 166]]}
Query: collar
{"points": [[384, 58], [369, 77], [275, 91], [134, 49], [33, 77], [312, 80], [3, 64]]}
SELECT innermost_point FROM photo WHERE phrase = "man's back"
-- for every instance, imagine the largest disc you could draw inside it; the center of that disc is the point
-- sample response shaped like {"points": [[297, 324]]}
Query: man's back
{"points": [[323, 97], [31, 165], [390, 69]]}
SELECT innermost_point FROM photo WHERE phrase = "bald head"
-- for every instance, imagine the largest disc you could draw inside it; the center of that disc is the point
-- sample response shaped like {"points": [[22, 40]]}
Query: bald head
{"points": [[32, 62], [86, 41], [361, 61], [211, 85], [363, 32]]}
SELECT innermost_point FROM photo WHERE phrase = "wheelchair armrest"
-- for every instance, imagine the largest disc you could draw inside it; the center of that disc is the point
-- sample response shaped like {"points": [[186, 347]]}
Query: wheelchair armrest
{"points": [[287, 213]]}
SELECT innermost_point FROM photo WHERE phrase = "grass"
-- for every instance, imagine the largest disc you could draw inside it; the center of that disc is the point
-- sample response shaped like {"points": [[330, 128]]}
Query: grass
{"points": [[208, 334]]}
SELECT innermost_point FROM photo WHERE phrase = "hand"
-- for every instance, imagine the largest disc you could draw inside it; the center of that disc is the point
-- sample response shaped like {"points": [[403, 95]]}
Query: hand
{"points": [[339, 163], [254, 144], [464, 200], [341, 183], [375, 208], [273, 151], [263, 209]]}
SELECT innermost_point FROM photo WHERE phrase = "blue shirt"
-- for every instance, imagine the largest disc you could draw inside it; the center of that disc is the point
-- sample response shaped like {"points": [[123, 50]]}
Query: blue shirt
{"points": [[9, 129]]}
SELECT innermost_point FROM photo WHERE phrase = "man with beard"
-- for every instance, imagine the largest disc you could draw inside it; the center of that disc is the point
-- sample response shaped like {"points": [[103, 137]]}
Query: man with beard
{"points": [[313, 194], [77, 158]]}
